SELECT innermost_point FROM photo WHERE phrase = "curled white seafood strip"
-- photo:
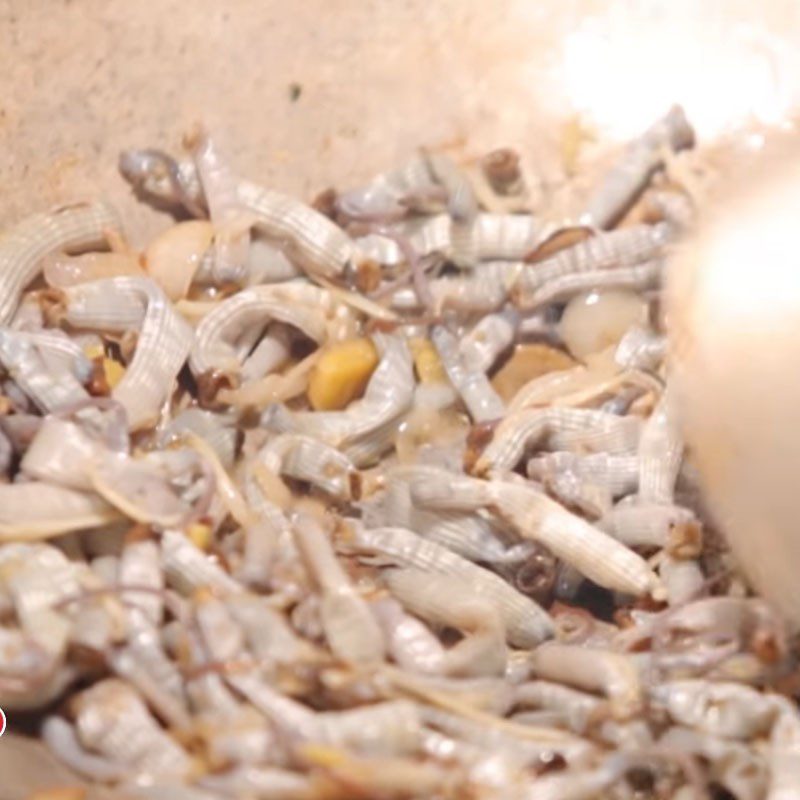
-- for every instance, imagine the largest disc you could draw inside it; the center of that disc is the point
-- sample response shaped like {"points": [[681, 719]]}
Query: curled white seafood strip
{"points": [[164, 339], [577, 708], [143, 662], [218, 335], [188, 568], [535, 516], [104, 305], [451, 602], [641, 277], [645, 524], [30, 675], [367, 450], [462, 205], [437, 488], [390, 194], [558, 429], [641, 158], [617, 473], [51, 383], [592, 552], [97, 625], [216, 180], [481, 347], [156, 174], [140, 566], [283, 712], [409, 642], [230, 495], [641, 348], [625, 247], [660, 453], [22, 248], [683, 579], [591, 499], [488, 237], [552, 386], [38, 576], [741, 770], [266, 263], [351, 630], [60, 736], [37, 510], [739, 618], [479, 396], [163, 488], [207, 692], [59, 352], [388, 728], [241, 740], [112, 720], [29, 315], [526, 622], [258, 550], [267, 632], [38, 693], [731, 710], [484, 288], [495, 734], [217, 429], [504, 237], [62, 452], [271, 353], [273, 388], [388, 395], [466, 533], [221, 637], [306, 459], [60, 270], [485, 695], [317, 245], [614, 674], [231, 225]]}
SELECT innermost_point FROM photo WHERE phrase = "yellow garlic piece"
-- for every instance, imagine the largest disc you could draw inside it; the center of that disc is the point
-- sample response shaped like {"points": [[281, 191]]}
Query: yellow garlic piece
{"points": [[113, 371], [94, 351], [427, 363], [341, 374], [199, 534]]}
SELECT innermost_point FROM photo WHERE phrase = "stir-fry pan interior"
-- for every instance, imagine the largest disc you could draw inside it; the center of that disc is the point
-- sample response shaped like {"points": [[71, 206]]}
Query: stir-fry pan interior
{"points": [[362, 474], [381, 495]]}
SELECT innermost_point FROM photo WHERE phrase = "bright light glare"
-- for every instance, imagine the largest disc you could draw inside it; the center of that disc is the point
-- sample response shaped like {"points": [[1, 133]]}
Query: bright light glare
{"points": [[625, 67], [749, 269]]}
